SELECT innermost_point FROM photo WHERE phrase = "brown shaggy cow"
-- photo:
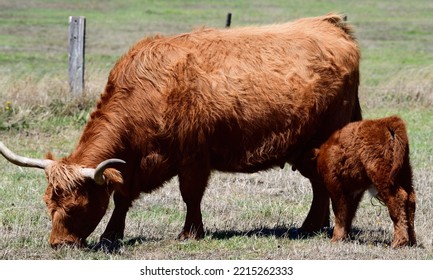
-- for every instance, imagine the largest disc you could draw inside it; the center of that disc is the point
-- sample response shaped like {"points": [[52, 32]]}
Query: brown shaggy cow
{"points": [[233, 100], [362, 155]]}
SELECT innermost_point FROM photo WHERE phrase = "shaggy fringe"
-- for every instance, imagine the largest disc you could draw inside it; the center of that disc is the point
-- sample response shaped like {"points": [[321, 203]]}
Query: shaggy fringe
{"points": [[64, 177]]}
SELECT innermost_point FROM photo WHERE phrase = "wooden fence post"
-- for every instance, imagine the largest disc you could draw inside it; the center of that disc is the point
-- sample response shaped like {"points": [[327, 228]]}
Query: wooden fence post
{"points": [[228, 20], [77, 35]]}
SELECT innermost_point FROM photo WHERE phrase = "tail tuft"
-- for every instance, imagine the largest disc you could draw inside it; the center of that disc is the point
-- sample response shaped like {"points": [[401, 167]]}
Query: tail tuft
{"points": [[340, 21], [397, 130]]}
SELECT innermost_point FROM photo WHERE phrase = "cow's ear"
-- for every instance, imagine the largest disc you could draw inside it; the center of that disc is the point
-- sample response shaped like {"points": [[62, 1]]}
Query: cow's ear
{"points": [[315, 152], [50, 156], [113, 176]]}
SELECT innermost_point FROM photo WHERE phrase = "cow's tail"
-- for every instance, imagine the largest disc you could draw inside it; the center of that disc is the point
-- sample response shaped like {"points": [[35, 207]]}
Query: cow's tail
{"points": [[397, 130], [356, 110], [341, 22]]}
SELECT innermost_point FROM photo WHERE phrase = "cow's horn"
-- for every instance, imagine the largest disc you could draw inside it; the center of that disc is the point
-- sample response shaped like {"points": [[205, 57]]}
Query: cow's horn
{"points": [[23, 161], [97, 174]]}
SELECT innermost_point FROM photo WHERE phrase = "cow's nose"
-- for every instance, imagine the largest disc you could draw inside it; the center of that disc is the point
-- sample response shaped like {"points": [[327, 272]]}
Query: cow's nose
{"points": [[67, 243]]}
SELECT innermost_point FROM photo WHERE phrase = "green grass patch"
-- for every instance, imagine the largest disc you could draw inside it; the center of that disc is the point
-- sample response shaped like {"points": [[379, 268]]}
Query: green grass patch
{"points": [[246, 216], [418, 122]]}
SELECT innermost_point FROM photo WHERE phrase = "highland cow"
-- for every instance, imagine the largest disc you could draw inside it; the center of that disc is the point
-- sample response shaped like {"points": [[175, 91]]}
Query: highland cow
{"points": [[233, 100]]}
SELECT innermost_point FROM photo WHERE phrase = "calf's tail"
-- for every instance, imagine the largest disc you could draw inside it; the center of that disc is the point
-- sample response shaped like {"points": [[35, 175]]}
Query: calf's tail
{"points": [[397, 130]]}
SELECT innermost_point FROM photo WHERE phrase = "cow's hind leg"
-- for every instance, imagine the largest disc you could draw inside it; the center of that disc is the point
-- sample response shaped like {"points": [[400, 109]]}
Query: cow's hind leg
{"points": [[192, 182], [318, 216]]}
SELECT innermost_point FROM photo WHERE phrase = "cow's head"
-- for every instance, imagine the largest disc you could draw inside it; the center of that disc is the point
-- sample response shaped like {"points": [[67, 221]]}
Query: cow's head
{"points": [[77, 197]]}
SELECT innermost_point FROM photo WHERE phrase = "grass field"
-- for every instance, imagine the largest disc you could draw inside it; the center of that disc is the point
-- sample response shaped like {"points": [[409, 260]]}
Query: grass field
{"points": [[246, 216]]}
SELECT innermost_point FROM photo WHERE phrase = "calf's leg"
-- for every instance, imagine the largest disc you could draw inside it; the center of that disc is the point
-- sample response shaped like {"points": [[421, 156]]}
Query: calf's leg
{"points": [[344, 205], [401, 208], [410, 212], [405, 181], [396, 200]]}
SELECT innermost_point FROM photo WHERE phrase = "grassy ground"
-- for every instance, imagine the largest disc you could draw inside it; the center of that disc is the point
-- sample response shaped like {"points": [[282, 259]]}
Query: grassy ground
{"points": [[257, 216]]}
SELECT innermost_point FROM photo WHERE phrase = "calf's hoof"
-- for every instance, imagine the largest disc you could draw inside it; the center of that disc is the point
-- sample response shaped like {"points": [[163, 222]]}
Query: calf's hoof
{"points": [[401, 242], [339, 235]]}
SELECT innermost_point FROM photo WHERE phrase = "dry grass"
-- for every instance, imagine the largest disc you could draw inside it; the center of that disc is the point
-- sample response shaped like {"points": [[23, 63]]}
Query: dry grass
{"points": [[246, 216], [412, 86]]}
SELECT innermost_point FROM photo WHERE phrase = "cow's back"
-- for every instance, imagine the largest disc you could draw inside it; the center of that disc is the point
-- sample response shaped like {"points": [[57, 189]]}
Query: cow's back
{"points": [[252, 96]]}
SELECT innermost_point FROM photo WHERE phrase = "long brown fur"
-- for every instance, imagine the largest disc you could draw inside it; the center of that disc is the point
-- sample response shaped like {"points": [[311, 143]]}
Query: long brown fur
{"points": [[361, 155], [235, 100]]}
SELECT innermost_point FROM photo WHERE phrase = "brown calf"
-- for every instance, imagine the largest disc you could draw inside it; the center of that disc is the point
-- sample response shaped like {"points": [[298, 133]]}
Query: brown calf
{"points": [[365, 154]]}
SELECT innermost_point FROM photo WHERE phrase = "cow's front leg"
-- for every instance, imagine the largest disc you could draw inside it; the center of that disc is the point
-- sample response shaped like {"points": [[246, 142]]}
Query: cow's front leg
{"points": [[192, 182], [116, 226], [318, 216]]}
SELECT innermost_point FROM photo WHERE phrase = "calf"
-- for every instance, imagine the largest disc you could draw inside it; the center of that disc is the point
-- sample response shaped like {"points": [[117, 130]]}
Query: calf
{"points": [[366, 154]]}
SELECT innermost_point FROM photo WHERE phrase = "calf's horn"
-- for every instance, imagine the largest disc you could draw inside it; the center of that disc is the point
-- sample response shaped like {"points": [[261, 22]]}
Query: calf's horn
{"points": [[97, 174], [23, 161]]}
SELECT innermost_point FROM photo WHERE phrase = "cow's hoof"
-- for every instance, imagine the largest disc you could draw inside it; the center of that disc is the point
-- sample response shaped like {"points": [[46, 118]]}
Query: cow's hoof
{"points": [[190, 235], [108, 246], [312, 226]]}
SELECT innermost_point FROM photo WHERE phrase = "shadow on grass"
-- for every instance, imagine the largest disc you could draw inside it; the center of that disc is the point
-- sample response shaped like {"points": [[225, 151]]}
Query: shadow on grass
{"points": [[111, 247], [370, 237], [292, 233]]}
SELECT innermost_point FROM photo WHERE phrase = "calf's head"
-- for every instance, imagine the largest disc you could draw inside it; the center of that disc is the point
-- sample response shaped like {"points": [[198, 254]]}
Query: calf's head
{"points": [[306, 164], [77, 197]]}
